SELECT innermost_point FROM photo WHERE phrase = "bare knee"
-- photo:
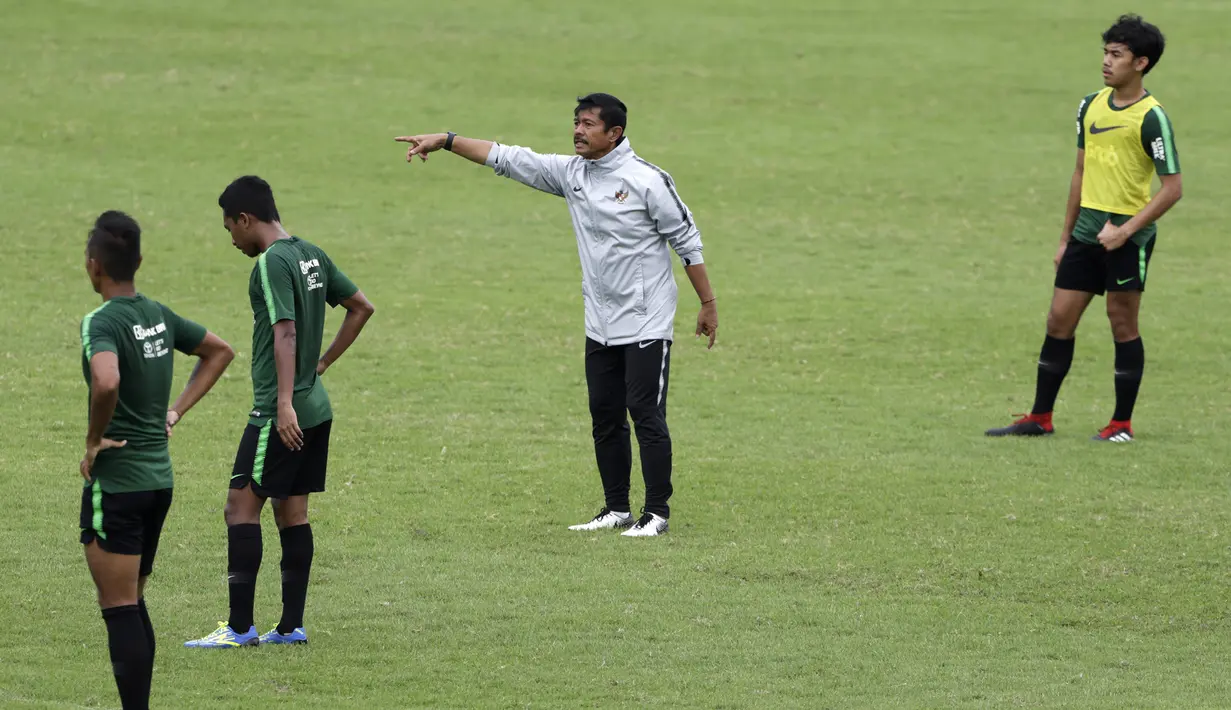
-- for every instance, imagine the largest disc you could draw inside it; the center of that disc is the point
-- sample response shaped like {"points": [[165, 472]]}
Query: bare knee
{"points": [[1061, 325], [115, 576], [1122, 316], [232, 515], [290, 520], [291, 512], [117, 597], [1123, 327], [243, 507], [1065, 312]]}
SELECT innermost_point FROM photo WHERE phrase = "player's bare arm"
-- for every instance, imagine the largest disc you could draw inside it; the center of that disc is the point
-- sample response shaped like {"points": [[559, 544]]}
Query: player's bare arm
{"points": [[213, 357], [473, 149], [707, 319], [358, 310], [104, 395], [1073, 207], [1113, 237], [284, 364]]}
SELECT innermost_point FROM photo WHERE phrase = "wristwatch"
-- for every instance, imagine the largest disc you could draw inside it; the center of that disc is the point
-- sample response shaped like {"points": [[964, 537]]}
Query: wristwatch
{"points": [[449, 140]]}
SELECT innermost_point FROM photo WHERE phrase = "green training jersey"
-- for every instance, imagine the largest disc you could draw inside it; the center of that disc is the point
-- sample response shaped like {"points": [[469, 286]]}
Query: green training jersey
{"points": [[142, 334], [292, 280]]}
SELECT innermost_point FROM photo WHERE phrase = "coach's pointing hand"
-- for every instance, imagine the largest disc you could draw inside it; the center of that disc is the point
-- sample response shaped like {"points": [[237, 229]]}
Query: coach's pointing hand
{"points": [[707, 322], [422, 145]]}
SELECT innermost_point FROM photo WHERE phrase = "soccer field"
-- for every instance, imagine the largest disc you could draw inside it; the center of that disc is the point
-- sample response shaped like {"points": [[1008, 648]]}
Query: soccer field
{"points": [[880, 186]]}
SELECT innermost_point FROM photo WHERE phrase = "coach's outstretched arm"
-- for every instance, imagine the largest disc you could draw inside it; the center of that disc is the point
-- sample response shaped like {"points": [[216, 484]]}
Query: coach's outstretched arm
{"points": [[542, 172], [472, 149]]}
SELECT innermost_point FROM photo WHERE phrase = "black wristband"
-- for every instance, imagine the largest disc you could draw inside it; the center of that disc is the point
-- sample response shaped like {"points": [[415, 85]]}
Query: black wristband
{"points": [[449, 140]]}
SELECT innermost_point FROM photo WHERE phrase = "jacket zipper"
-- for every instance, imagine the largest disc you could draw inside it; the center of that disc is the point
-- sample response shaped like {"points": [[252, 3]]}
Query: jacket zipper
{"points": [[590, 249]]}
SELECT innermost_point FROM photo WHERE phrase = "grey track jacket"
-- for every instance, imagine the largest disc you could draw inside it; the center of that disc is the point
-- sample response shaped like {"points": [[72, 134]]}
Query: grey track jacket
{"points": [[627, 217]]}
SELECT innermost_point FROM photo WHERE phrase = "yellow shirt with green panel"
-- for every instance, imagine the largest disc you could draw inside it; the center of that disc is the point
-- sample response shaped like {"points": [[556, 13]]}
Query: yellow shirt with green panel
{"points": [[1125, 146]]}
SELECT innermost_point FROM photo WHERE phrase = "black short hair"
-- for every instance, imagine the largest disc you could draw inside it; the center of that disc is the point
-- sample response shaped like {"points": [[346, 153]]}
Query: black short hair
{"points": [[1141, 38], [611, 111], [115, 242], [251, 195]]}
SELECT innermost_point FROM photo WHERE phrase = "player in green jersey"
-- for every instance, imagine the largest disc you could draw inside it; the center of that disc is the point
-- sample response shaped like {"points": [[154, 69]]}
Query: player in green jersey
{"points": [[285, 448], [126, 359]]}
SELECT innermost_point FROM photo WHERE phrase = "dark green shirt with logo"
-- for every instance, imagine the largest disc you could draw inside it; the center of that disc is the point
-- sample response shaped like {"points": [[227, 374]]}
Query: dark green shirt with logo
{"points": [[142, 333], [292, 280]]}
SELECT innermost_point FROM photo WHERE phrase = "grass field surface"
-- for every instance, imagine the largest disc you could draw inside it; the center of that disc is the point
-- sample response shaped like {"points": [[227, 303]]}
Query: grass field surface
{"points": [[880, 187]]}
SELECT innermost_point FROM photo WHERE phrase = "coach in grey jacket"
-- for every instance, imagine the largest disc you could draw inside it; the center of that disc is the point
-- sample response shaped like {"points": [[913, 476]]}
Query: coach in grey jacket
{"points": [[628, 218]]}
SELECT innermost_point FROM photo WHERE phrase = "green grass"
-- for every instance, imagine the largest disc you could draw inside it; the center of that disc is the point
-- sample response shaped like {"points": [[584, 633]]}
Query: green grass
{"points": [[880, 187]]}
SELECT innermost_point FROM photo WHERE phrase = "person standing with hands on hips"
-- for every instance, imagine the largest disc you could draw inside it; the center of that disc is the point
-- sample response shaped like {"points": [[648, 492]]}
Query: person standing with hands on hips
{"points": [[628, 217]]}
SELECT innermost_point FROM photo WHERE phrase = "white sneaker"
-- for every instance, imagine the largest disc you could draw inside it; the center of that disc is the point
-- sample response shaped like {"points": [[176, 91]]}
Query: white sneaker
{"points": [[606, 520], [649, 525]]}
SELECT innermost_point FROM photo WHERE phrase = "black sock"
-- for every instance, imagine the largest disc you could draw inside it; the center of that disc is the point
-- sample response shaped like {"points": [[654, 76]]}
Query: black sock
{"points": [[1130, 362], [149, 627], [296, 565], [243, 562], [1054, 362], [130, 655]]}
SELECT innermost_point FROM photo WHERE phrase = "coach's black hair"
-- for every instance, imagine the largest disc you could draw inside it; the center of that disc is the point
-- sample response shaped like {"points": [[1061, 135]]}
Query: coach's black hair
{"points": [[115, 242], [611, 111], [251, 195], [1141, 38]]}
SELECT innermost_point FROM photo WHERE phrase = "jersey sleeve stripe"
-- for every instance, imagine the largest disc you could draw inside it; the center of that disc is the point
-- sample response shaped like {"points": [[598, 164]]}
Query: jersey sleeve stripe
{"points": [[679, 204], [269, 294], [1164, 127], [85, 331], [85, 335]]}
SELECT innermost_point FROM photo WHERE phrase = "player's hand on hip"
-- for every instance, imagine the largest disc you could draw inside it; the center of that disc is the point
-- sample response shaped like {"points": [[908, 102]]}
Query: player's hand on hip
{"points": [[91, 453], [288, 428], [707, 322], [422, 145], [1059, 255], [1112, 237], [173, 418]]}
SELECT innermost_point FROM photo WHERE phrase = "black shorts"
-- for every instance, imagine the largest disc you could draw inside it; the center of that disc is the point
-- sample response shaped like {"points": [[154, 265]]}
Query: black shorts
{"points": [[274, 470], [1093, 269], [125, 523]]}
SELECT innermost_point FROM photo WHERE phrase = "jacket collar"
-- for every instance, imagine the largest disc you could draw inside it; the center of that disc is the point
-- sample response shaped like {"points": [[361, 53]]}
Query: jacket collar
{"points": [[618, 156]]}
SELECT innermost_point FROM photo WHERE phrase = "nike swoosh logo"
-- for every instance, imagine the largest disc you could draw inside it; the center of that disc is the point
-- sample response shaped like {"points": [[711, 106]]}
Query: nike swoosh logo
{"points": [[645, 345], [1095, 130], [1120, 282], [576, 189]]}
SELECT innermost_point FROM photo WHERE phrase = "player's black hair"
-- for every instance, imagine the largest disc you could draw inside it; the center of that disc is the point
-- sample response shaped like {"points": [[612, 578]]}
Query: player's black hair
{"points": [[611, 111], [115, 242], [1141, 38], [252, 195]]}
